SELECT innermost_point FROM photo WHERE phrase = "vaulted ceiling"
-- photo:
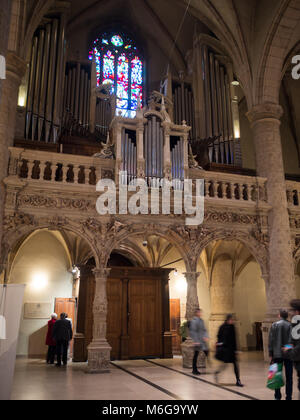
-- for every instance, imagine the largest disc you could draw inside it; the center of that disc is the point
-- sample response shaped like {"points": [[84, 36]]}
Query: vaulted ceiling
{"points": [[259, 35]]}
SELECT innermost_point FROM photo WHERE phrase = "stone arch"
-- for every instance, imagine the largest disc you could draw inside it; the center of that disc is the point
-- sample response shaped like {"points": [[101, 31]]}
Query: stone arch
{"points": [[13, 238], [257, 249], [277, 43], [155, 230]]}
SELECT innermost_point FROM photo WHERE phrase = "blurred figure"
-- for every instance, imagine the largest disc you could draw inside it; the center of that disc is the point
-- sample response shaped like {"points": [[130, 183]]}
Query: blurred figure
{"points": [[280, 336], [294, 352], [50, 342], [62, 334], [227, 349], [200, 338]]}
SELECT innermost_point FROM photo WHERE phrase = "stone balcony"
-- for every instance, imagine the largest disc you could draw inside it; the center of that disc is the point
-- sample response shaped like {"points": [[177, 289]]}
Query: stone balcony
{"points": [[46, 184], [44, 172]]}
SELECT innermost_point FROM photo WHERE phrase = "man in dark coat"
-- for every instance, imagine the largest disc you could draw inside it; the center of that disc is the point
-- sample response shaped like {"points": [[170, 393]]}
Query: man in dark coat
{"points": [[294, 353], [62, 334], [227, 348], [50, 342], [279, 337]]}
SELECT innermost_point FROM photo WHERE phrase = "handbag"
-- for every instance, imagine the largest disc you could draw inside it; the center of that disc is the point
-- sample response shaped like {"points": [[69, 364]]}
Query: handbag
{"points": [[2, 318], [275, 377]]}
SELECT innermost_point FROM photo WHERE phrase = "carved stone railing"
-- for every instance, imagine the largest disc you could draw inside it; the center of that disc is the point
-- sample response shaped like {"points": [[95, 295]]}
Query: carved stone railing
{"points": [[53, 168], [293, 194], [232, 187]]}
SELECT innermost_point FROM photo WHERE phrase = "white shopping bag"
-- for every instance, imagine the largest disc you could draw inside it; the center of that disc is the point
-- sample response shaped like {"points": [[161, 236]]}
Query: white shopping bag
{"points": [[2, 318], [2, 328]]}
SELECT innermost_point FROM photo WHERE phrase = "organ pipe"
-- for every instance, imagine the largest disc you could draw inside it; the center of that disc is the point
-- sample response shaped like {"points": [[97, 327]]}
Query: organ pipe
{"points": [[213, 83], [45, 91], [129, 157], [183, 106], [154, 150]]}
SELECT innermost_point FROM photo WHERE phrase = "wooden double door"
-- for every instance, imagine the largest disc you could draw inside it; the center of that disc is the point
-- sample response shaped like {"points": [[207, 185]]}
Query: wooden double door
{"points": [[138, 321]]}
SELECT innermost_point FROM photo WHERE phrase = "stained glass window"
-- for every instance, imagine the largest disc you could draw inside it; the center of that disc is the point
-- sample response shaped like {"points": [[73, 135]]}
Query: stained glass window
{"points": [[118, 63]]}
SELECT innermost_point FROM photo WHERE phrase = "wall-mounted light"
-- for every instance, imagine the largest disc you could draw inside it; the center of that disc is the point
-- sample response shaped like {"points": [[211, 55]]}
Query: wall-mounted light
{"points": [[235, 83], [39, 280]]}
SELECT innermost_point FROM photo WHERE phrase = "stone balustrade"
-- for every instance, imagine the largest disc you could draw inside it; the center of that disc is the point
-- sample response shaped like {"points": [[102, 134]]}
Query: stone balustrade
{"points": [[234, 187], [293, 194], [55, 168]]}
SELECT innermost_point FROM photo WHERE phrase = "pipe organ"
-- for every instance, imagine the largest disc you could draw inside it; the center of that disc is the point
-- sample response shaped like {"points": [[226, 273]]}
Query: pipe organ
{"points": [[45, 82], [154, 150], [76, 99], [214, 103], [183, 106], [129, 156], [151, 147], [177, 159], [103, 116]]}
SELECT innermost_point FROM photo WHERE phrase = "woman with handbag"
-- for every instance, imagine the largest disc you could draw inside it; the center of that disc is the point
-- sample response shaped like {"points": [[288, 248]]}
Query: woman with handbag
{"points": [[227, 348]]}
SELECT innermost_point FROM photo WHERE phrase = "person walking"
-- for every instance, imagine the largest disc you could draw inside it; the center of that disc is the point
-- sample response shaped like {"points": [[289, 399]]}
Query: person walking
{"points": [[50, 342], [294, 353], [227, 349], [279, 337], [199, 335], [62, 334]]}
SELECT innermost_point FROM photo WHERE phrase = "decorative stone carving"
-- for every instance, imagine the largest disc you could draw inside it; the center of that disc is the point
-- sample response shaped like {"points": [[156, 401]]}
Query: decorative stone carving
{"points": [[18, 219], [55, 202]]}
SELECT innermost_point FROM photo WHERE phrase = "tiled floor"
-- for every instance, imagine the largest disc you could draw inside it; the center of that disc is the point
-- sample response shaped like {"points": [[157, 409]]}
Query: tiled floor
{"points": [[141, 380]]}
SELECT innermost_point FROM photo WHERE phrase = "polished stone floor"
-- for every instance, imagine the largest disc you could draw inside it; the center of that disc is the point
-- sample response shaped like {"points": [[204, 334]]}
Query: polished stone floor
{"points": [[140, 380]]}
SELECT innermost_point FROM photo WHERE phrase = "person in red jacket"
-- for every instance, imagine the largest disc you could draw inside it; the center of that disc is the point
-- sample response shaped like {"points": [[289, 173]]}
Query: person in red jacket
{"points": [[50, 342]]}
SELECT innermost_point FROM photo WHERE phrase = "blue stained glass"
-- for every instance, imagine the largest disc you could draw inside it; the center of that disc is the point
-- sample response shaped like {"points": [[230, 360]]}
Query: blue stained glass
{"points": [[137, 71], [116, 67], [117, 41]]}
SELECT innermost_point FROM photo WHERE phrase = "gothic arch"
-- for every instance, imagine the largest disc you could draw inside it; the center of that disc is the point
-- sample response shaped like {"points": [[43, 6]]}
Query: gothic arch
{"points": [[14, 237], [257, 249], [277, 43], [161, 231]]}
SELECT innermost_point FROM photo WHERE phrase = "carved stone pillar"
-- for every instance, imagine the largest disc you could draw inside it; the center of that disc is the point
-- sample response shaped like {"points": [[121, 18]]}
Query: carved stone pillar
{"points": [[15, 70], [192, 304], [99, 349], [192, 301], [265, 121]]}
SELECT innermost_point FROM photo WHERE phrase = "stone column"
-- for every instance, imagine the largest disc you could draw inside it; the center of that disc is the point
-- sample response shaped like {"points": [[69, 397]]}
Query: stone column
{"points": [[265, 121], [99, 349], [15, 70], [192, 301], [192, 304]]}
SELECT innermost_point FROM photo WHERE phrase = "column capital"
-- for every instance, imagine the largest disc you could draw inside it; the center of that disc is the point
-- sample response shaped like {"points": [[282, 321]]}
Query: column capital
{"points": [[101, 273], [190, 277], [265, 111]]}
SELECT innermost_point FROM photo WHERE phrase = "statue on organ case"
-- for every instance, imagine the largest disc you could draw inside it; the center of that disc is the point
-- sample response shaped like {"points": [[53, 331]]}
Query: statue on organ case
{"points": [[200, 147]]}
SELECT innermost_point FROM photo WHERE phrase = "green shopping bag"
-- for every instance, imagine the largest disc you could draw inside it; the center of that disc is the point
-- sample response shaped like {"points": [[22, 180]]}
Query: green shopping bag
{"points": [[275, 377]]}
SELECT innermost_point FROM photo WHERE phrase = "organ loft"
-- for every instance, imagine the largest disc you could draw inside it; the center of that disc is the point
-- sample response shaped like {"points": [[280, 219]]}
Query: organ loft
{"points": [[146, 89]]}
